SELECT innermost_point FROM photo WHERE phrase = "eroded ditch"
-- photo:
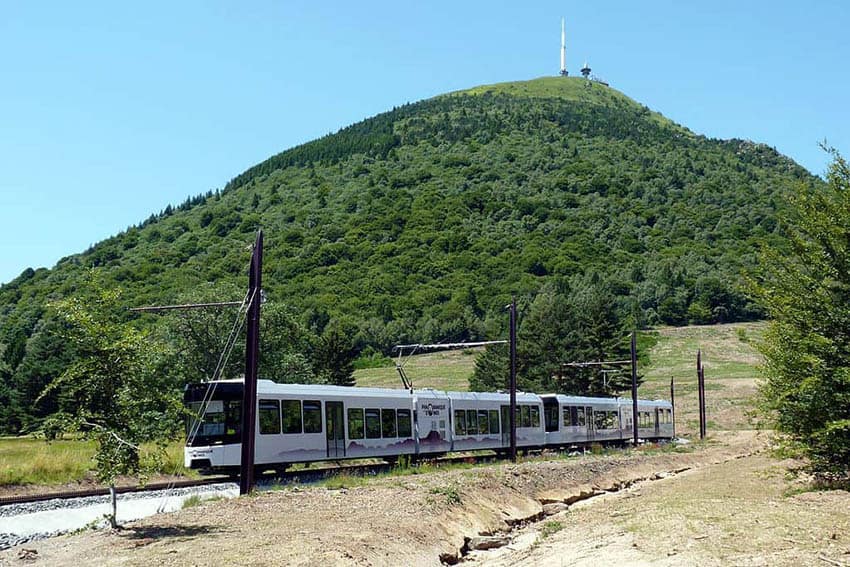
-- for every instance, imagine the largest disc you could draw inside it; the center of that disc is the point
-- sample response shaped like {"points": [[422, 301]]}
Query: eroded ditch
{"points": [[524, 531]]}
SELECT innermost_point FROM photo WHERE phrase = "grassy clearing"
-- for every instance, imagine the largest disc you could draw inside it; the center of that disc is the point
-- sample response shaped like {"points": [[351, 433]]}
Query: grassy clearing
{"points": [[731, 369], [26, 460], [449, 370], [32, 461]]}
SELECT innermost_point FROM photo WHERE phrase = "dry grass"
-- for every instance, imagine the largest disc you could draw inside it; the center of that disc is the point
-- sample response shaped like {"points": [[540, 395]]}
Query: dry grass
{"points": [[731, 369], [448, 370]]}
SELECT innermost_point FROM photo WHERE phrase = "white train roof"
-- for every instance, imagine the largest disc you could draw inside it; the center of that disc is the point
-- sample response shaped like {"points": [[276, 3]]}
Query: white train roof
{"points": [[303, 390], [601, 401], [269, 387]]}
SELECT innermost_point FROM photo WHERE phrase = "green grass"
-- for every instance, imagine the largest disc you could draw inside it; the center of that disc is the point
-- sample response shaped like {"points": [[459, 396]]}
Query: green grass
{"points": [[450, 493], [196, 500], [339, 481], [32, 461], [26, 460], [569, 88], [550, 528]]}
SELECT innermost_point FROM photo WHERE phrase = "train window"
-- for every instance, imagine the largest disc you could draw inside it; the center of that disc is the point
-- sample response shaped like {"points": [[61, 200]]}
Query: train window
{"points": [[471, 422], [269, 417], [355, 423], [535, 416], [373, 424], [483, 422], [580, 420], [460, 422], [525, 416], [312, 416], [551, 416], [404, 427], [494, 421], [566, 416], [606, 419], [291, 416], [388, 423]]}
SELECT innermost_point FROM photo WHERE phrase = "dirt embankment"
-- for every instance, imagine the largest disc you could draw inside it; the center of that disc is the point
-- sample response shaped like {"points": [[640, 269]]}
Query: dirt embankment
{"points": [[410, 520]]}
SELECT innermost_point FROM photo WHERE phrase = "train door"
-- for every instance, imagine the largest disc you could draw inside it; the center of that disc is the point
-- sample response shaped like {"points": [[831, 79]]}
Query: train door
{"points": [[506, 426], [656, 421], [551, 414], [335, 429], [588, 417]]}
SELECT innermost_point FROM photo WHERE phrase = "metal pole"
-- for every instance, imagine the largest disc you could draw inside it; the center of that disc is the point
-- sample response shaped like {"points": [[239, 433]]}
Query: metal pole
{"points": [[634, 389], [252, 355], [673, 405], [703, 429], [513, 378], [700, 393]]}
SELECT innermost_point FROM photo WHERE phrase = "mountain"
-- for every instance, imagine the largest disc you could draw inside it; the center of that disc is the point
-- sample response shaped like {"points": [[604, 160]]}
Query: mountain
{"points": [[421, 222]]}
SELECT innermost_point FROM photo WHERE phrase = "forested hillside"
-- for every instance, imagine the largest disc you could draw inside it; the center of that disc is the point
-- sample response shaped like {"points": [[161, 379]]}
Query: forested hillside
{"points": [[418, 224]]}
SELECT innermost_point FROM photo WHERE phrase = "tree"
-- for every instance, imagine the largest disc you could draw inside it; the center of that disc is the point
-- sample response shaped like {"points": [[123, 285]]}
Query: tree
{"points": [[200, 339], [333, 357], [122, 394], [580, 325], [805, 391]]}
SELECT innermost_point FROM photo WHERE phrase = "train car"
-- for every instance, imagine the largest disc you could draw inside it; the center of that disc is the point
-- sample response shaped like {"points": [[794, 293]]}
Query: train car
{"points": [[655, 419], [299, 423], [574, 420], [480, 420], [433, 422]]}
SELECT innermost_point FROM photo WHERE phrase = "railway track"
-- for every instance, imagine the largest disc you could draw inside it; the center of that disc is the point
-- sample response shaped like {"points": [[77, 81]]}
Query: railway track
{"points": [[306, 475]]}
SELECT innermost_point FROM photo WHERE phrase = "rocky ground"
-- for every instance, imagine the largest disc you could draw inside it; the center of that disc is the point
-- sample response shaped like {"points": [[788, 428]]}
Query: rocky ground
{"points": [[722, 503]]}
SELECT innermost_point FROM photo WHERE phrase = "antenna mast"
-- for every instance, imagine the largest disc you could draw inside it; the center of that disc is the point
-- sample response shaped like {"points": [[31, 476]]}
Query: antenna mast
{"points": [[564, 72]]}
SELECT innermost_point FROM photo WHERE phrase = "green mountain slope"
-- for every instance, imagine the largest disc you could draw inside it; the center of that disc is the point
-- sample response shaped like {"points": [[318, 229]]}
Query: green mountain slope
{"points": [[419, 223]]}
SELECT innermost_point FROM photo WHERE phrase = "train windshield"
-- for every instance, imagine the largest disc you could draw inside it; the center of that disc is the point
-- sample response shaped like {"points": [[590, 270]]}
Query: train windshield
{"points": [[214, 413], [215, 423]]}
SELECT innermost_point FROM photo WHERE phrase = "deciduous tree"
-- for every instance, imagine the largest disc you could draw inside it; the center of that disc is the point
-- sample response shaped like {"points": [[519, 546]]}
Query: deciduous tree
{"points": [[806, 387]]}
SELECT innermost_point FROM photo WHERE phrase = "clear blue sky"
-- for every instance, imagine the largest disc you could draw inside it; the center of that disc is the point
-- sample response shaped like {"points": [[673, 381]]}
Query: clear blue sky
{"points": [[110, 111]]}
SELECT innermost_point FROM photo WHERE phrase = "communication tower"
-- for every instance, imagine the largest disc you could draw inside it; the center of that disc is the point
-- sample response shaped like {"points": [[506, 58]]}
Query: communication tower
{"points": [[564, 72]]}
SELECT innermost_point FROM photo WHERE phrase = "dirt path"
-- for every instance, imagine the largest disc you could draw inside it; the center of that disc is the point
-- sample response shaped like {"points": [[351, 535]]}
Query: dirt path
{"points": [[734, 513], [417, 520]]}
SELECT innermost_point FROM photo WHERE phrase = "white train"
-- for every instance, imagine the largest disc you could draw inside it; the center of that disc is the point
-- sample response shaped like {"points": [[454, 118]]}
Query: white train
{"points": [[302, 423]]}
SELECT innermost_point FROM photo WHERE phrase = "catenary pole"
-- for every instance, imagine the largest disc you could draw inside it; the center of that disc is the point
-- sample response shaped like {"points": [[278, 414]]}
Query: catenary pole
{"points": [[703, 428], [513, 324], [700, 393], [634, 389], [673, 406], [252, 355]]}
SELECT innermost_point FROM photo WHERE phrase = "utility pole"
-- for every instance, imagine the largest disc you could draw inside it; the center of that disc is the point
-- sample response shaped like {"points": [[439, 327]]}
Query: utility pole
{"points": [[634, 389], [513, 377], [252, 356], [673, 406], [701, 393], [704, 425]]}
